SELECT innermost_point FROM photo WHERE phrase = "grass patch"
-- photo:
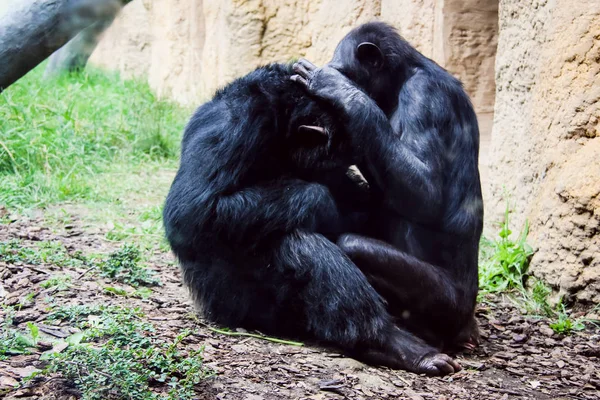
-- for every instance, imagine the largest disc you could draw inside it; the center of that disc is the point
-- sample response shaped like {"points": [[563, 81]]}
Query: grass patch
{"points": [[503, 268], [58, 136], [58, 282], [117, 355], [44, 252], [124, 266]]}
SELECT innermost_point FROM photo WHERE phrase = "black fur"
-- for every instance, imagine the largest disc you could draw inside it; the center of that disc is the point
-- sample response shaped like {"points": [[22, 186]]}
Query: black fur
{"points": [[416, 134], [249, 221]]}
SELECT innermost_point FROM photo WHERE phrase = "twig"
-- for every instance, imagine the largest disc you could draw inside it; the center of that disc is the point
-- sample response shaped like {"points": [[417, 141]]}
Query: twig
{"points": [[407, 383], [254, 335], [36, 269], [84, 273]]}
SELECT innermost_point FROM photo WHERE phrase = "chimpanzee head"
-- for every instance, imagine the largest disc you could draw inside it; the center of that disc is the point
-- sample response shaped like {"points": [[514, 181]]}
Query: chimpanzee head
{"points": [[376, 58], [316, 140]]}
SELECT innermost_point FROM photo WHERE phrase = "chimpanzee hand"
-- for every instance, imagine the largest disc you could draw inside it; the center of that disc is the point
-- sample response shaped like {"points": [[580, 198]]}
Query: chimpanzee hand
{"points": [[329, 84]]}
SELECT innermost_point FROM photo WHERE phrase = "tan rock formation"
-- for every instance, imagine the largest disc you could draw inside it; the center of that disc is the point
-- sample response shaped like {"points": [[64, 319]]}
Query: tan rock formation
{"points": [[545, 141], [127, 43], [188, 48], [416, 21]]}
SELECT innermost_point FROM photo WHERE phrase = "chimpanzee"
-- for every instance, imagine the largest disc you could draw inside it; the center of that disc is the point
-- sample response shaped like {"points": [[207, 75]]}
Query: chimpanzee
{"points": [[251, 221], [415, 132]]}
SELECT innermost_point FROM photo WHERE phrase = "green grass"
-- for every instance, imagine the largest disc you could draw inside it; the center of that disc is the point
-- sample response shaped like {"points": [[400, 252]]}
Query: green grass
{"points": [[58, 282], [58, 138], [122, 265]]}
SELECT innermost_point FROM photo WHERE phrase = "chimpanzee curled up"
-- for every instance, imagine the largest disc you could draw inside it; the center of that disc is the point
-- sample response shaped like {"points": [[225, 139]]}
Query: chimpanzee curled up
{"points": [[416, 136], [249, 221]]}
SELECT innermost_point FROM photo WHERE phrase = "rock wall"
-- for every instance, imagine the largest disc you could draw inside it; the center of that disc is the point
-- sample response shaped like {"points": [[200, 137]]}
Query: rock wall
{"points": [[188, 48], [126, 46], [545, 139], [470, 38]]}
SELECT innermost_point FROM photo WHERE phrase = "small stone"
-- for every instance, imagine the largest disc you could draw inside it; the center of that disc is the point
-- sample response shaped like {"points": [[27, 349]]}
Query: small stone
{"points": [[23, 283], [519, 338], [7, 382], [546, 330]]}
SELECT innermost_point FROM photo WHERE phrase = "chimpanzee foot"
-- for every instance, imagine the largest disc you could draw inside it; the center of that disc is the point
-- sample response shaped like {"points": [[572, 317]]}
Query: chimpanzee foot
{"points": [[433, 364], [437, 365], [403, 350]]}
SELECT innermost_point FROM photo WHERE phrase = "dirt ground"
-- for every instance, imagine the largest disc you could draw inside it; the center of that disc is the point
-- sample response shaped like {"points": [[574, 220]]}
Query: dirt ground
{"points": [[520, 357]]}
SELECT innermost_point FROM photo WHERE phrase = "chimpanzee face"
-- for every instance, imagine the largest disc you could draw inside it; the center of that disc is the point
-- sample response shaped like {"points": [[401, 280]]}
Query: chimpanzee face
{"points": [[316, 138], [361, 57]]}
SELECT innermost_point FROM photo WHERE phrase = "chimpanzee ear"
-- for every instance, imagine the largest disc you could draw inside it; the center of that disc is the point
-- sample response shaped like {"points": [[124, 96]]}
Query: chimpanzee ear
{"points": [[311, 136], [370, 53]]}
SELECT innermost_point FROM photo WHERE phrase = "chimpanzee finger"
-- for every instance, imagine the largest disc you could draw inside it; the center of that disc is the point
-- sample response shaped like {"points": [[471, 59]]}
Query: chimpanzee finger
{"points": [[306, 64], [301, 70], [299, 79]]}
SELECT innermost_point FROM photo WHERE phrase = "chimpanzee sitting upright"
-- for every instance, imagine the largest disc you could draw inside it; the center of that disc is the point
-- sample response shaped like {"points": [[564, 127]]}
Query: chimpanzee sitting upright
{"points": [[249, 221], [418, 139]]}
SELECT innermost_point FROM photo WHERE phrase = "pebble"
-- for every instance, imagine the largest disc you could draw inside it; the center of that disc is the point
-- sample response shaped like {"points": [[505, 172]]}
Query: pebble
{"points": [[546, 330], [519, 338]]}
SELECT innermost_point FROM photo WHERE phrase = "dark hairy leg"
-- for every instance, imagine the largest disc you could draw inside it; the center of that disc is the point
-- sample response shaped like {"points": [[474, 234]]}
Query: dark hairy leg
{"points": [[342, 308], [420, 296]]}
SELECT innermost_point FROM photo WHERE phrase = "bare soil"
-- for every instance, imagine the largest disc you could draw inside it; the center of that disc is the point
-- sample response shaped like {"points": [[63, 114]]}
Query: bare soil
{"points": [[520, 357]]}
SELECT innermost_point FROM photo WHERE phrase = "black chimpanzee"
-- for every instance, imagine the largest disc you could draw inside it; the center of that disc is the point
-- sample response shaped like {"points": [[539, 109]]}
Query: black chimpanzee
{"points": [[414, 129], [249, 217]]}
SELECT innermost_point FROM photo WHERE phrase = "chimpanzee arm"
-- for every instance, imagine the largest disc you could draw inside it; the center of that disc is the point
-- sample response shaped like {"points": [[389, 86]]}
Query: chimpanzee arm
{"points": [[279, 206], [404, 160], [227, 184]]}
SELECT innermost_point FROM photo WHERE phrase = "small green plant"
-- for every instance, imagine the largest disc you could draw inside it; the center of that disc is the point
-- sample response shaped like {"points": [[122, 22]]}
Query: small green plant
{"points": [[34, 331], [15, 251], [116, 291], [130, 362], [26, 300], [503, 268], [142, 293], [507, 260], [535, 299], [124, 266], [13, 342], [564, 324], [58, 282]]}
